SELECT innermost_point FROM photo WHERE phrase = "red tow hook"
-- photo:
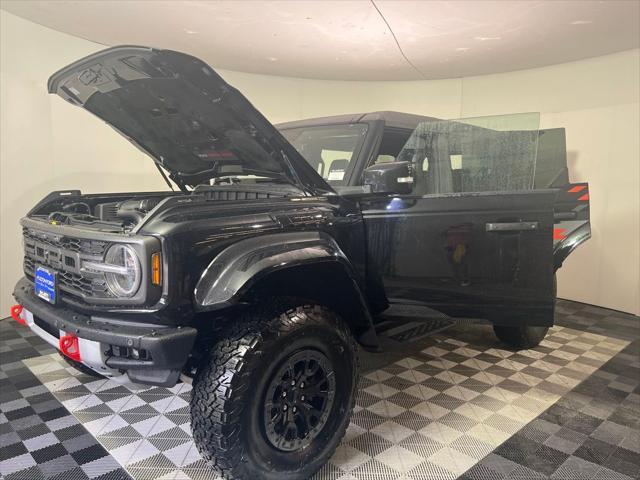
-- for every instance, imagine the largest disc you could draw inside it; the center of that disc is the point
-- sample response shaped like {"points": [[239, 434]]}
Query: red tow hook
{"points": [[16, 314], [70, 347]]}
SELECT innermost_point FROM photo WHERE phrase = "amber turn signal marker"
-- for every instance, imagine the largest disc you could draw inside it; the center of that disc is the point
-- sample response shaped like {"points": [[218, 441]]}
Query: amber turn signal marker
{"points": [[156, 269]]}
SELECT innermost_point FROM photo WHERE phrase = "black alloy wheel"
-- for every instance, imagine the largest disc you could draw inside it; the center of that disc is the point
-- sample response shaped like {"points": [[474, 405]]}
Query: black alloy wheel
{"points": [[298, 400]]}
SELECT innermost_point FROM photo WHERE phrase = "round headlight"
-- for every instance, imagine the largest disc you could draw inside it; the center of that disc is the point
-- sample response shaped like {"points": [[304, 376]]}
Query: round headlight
{"points": [[124, 279]]}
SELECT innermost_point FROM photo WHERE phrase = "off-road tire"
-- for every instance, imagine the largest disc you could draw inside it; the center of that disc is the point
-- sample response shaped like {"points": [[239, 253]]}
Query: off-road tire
{"points": [[521, 338], [526, 336], [81, 367], [229, 391]]}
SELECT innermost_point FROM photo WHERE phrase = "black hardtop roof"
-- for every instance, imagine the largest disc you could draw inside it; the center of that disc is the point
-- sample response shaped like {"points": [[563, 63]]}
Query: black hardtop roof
{"points": [[391, 119]]}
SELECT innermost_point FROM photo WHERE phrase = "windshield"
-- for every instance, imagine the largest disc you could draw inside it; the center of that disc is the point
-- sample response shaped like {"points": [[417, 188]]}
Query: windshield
{"points": [[330, 149]]}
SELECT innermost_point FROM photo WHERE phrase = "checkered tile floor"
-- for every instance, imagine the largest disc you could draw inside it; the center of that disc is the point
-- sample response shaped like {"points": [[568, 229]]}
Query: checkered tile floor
{"points": [[453, 405], [146, 430], [39, 438]]}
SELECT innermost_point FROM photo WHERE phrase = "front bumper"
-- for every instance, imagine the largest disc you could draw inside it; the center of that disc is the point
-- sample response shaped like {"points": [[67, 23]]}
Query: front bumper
{"points": [[165, 349]]}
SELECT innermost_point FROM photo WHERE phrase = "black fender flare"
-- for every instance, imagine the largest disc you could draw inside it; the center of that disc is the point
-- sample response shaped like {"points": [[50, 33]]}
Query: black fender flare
{"points": [[240, 266], [564, 248]]}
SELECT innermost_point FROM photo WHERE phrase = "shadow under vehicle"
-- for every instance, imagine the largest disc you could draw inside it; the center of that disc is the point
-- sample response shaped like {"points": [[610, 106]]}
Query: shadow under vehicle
{"points": [[281, 248]]}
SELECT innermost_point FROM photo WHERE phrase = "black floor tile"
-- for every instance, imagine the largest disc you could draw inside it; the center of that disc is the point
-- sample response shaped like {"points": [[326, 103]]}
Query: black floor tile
{"points": [[9, 451], [583, 423], [35, 431], [551, 456], [32, 473], [595, 451], [627, 417], [20, 413], [53, 414], [49, 453], [89, 454], [558, 415], [625, 462]]}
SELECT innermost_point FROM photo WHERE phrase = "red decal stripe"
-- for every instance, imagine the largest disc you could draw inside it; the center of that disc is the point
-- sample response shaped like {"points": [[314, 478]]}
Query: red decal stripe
{"points": [[584, 197], [577, 188], [559, 233]]}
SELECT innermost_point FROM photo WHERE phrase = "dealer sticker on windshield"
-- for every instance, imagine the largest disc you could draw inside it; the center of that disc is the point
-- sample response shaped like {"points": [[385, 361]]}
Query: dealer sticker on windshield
{"points": [[45, 284]]}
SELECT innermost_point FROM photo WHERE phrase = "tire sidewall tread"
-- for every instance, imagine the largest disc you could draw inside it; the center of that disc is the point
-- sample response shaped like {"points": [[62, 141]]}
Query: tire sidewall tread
{"points": [[225, 384], [524, 337]]}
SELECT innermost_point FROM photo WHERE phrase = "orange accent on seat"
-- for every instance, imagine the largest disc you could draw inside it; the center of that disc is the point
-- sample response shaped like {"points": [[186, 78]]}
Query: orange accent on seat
{"points": [[584, 197], [559, 233], [577, 188]]}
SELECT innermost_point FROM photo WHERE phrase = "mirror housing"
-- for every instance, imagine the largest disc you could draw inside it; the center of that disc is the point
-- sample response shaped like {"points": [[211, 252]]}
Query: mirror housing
{"points": [[392, 177]]}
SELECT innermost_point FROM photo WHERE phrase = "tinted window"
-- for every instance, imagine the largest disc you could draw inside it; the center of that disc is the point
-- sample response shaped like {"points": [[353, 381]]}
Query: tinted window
{"points": [[329, 149], [393, 139], [551, 161], [484, 154]]}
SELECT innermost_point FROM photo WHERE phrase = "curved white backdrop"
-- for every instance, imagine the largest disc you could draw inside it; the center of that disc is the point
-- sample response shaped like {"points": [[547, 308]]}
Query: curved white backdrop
{"points": [[47, 144]]}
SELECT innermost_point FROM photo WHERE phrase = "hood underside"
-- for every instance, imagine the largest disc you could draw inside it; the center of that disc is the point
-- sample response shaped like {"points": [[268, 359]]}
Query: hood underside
{"points": [[184, 115]]}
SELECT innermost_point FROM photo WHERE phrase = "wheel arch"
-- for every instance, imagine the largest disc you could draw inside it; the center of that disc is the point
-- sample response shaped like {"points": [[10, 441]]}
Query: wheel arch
{"points": [[306, 265], [565, 247], [325, 282]]}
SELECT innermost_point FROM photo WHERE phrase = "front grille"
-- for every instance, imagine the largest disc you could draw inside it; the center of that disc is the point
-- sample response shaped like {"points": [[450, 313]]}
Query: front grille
{"points": [[90, 247], [95, 287], [64, 255]]}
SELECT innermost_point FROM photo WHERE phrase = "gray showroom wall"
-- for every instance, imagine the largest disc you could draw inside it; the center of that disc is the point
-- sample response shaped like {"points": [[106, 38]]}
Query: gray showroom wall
{"points": [[47, 144]]}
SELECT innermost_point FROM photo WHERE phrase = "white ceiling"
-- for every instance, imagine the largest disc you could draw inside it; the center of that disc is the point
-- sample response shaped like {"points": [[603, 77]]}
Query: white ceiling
{"points": [[355, 40]]}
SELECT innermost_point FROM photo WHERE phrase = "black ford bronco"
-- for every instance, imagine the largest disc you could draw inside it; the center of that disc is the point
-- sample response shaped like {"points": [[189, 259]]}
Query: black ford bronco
{"points": [[277, 250]]}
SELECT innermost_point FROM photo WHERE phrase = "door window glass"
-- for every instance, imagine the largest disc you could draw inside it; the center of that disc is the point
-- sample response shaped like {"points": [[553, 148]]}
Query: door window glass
{"points": [[393, 139], [496, 153]]}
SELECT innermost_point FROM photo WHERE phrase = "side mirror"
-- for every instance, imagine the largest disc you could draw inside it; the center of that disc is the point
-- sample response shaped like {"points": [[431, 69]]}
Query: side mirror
{"points": [[392, 177]]}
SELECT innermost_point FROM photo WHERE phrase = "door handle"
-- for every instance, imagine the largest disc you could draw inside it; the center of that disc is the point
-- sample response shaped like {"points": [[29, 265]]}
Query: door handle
{"points": [[511, 226], [565, 216]]}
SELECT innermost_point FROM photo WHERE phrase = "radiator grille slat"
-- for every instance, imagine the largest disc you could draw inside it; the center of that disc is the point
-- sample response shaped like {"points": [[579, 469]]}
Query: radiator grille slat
{"points": [[63, 254]]}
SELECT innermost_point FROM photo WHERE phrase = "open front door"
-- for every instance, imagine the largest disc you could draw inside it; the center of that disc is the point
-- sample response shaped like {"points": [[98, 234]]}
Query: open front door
{"points": [[472, 255], [472, 238]]}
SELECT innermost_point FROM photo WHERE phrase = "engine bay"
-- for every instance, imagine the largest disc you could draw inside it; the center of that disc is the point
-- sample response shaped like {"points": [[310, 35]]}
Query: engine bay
{"points": [[120, 213]]}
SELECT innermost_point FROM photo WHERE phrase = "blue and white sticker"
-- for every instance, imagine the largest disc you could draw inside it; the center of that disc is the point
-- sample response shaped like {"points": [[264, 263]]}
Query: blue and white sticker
{"points": [[45, 284]]}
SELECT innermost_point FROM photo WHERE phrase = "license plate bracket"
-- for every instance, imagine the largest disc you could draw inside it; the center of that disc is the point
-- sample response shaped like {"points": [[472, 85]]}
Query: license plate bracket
{"points": [[46, 284]]}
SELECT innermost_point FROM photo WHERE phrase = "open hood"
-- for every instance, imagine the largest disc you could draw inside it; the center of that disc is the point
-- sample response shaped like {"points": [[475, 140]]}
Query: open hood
{"points": [[184, 115]]}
